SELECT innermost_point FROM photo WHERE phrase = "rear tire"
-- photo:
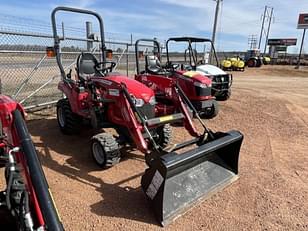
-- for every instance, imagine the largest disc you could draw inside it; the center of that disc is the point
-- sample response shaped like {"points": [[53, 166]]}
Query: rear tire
{"points": [[164, 135], [258, 63], [68, 121], [105, 150], [210, 113]]}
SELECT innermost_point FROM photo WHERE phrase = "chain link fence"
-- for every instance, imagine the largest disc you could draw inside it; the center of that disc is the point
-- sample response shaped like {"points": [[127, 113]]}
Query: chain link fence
{"points": [[30, 77], [25, 68]]}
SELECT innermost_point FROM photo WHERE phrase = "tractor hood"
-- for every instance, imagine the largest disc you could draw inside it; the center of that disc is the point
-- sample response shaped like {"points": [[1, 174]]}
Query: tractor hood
{"points": [[7, 107], [208, 69], [194, 76], [134, 87]]}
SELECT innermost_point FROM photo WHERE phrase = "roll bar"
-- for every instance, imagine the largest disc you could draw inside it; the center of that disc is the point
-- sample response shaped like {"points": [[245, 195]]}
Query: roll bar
{"points": [[137, 50], [57, 39]]}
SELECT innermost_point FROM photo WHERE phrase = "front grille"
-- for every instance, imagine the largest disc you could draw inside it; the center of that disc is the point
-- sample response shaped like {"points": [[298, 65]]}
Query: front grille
{"points": [[203, 91], [221, 82], [147, 110]]}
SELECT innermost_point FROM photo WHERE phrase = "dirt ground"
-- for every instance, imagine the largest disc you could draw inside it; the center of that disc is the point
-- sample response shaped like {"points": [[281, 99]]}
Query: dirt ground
{"points": [[268, 105]]}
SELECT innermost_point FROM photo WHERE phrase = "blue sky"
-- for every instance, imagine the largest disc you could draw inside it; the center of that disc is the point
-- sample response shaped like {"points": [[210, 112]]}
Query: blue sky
{"points": [[166, 18]]}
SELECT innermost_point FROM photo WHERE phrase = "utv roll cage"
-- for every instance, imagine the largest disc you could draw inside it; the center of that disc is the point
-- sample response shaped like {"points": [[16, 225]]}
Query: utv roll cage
{"points": [[192, 53]]}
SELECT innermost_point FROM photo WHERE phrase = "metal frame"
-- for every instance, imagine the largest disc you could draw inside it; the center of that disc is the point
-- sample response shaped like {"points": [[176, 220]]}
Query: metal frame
{"points": [[137, 50], [191, 40]]}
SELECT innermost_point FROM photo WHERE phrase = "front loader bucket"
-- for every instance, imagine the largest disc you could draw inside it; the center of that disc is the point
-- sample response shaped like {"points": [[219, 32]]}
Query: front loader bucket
{"points": [[175, 182]]}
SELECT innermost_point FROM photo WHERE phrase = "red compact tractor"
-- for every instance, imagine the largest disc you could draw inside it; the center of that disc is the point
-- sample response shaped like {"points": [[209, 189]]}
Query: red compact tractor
{"points": [[26, 203], [196, 86], [111, 100]]}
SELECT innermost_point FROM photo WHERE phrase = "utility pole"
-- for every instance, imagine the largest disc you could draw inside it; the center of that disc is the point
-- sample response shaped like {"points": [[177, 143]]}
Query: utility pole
{"points": [[266, 17], [261, 33], [215, 25], [268, 30], [300, 51]]}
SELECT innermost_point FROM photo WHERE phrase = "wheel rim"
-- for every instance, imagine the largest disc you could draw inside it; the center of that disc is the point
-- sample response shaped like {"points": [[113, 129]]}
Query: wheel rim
{"points": [[98, 152], [61, 117]]}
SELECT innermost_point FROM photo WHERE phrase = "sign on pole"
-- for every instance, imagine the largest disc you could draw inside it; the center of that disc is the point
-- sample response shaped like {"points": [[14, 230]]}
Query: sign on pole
{"points": [[302, 21], [282, 42]]}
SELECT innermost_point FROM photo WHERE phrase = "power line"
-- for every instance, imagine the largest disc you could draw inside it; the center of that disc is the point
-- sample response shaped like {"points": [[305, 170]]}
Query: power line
{"points": [[252, 41]]}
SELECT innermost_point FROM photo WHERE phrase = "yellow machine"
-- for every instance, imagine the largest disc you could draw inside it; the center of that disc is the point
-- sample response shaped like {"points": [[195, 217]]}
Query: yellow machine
{"points": [[226, 65], [266, 60], [235, 64]]}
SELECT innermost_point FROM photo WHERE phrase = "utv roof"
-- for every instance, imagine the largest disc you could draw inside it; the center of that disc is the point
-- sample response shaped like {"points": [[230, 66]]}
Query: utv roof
{"points": [[191, 39]]}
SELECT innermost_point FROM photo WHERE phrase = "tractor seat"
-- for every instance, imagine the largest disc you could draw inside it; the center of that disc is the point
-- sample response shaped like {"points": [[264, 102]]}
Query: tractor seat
{"points": [[85, 66], [152, 64]]}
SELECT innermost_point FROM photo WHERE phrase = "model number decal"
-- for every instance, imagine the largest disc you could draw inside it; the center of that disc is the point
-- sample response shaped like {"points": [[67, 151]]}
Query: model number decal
{"points": [[105, 81], [114, 92], [157, 180]]}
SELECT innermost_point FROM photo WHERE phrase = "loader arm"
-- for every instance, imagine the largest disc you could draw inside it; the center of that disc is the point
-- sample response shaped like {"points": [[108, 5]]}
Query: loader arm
{"points": [[139, 124], [24, 174], [39, 183]]}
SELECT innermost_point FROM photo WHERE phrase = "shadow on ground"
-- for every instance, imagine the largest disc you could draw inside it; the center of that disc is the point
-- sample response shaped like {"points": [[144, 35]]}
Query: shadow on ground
{"points": [[117, 201]]}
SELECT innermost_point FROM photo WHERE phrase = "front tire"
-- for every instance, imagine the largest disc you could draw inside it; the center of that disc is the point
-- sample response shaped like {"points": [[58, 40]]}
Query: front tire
{"points": [[105, 150], [224, 96], [164, 135], [210, 113], [68, 121]]}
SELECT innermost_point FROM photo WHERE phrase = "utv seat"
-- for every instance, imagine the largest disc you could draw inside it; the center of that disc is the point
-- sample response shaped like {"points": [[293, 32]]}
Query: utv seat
{"points": [[85, 66]]}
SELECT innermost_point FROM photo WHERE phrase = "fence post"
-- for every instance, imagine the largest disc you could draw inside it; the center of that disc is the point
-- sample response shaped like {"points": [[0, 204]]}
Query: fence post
{"points": [[89, 34], [127, 56]]}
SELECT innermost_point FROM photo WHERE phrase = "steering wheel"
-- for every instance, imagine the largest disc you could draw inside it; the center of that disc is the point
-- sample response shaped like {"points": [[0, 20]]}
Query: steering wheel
{"points": [[200, 62], [101, 67], [173, 66], [186, 67]]}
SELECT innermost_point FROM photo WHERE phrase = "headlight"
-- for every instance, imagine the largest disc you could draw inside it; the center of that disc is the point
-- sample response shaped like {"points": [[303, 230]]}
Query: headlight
{"points": [[202, 85], [137, 102], [152, 100]]}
